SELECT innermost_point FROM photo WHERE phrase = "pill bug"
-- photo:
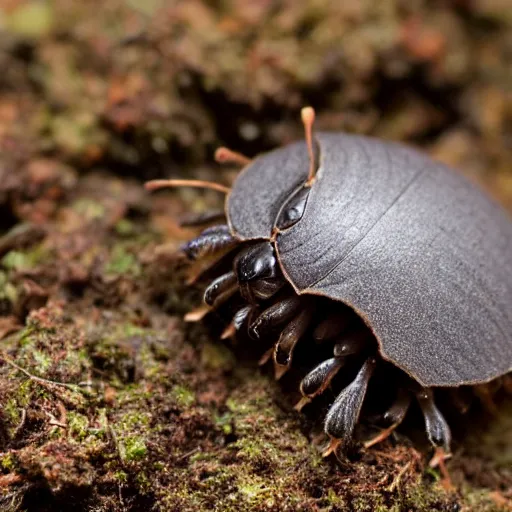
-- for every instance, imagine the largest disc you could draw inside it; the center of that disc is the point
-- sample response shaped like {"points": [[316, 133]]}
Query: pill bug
{"points": [[394, 261]]}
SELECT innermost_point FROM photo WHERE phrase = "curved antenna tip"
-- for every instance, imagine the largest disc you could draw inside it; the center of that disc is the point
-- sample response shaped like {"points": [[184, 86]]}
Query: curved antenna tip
{"points": [[225, 155], [308, 115], [153, 185]]}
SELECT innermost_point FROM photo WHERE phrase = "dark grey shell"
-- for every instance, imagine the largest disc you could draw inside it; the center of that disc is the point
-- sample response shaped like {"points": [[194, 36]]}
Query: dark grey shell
{"points": [[420, 253], [262, 187]]}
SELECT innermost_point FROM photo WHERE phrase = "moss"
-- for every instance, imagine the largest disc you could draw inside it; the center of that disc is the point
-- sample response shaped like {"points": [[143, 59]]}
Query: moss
{"points": [[42, 362], [252, 449], [224, 421], [134, 448], [237, 406], [25, 336], [18, 401], [7, 290], [217, 356], [76, 361], [25, 260], [91, 210], [78, 426], [132, 429], [23, 393], [11, 411], [121, 476], [334, 500], [183, 396], [369, 502], [134, 419], [124, 227], [482, 501], [132, 330], [7, 462], [101, 422], [130, 394], [423, 498], [200, 456], [124, 352], [256, 490], [122, 263], [150, 367], [143, 482]]}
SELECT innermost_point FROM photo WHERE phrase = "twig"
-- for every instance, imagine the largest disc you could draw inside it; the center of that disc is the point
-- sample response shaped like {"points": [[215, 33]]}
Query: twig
{"points": [[396, 480], [188, 454], [120, 450], [40, 380], [62, 422], [55, 422], [19, 428]]}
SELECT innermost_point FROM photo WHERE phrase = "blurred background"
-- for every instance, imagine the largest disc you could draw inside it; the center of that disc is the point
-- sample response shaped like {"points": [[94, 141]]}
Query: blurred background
{"points": [[97, 96], [149, 88]]}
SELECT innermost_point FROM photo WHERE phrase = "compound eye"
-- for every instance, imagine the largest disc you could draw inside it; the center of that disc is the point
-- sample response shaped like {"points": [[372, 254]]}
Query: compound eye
{"points": [[293, 210], [257, 262]]}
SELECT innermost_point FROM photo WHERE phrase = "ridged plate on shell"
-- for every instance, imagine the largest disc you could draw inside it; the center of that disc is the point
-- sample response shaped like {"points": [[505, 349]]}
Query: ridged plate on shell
{"points": [[262, 187], [419, 252]]}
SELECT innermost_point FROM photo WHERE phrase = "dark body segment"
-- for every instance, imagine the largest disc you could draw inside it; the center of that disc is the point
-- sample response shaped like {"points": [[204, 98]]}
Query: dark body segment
{"points": [[421, 254], [262, 187]]}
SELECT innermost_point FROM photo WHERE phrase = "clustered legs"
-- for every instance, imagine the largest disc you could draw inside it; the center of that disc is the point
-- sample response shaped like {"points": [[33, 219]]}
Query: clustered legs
{"points": [[270, 309]]}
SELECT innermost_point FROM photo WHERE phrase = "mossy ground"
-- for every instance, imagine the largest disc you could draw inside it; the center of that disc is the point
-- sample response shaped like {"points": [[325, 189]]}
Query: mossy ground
{"points": [[108, 400]]}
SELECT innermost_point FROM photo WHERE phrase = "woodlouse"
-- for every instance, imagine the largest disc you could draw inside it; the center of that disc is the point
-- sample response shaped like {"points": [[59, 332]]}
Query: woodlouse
{"points": [[416, 263]]}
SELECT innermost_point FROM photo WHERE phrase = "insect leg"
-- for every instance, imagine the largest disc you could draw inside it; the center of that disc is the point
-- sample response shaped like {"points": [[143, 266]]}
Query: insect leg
{"points": [[438, 431], [333, 325], [342, 417], [318, 379], [211, 240], [352, 343], [199, 313], [393, 416], [283, 350], [277, 314], [218, 287], [240, 318]]}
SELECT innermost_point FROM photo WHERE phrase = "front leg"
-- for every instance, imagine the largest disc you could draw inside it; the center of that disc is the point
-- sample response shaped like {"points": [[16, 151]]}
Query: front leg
{"points": [[210, 241]]}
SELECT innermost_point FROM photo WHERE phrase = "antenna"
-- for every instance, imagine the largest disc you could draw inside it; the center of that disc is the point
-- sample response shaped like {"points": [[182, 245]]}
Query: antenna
{"points": [[308, 119], [225, 155], [158, 184]]}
